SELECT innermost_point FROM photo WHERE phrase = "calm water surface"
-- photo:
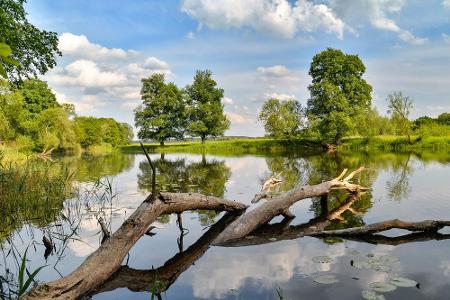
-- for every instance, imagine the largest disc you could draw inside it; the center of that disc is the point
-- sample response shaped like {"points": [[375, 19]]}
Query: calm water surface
{"points": [[407, 186]]}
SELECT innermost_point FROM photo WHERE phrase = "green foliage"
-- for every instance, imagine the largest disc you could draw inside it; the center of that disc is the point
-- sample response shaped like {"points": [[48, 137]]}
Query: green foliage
{"points": [[399, 108], [24, 286], [444, 118], [372, 124], [339, 94], [37, 96], [5, 52], [161, 116], [33, 49], [205, 109], [282, 119], [96, 131]]}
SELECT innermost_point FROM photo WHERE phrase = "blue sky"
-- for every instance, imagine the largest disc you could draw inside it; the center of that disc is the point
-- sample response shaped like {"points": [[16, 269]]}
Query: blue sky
{"points": [[256, 49]]}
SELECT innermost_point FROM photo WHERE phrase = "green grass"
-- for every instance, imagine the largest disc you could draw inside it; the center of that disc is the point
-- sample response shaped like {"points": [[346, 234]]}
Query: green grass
{"points": [[396, 143], [231, 147]]}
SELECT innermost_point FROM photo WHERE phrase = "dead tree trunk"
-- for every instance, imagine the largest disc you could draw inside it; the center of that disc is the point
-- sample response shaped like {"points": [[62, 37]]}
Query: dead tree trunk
{"points": [[280, 206], [101, 264]]}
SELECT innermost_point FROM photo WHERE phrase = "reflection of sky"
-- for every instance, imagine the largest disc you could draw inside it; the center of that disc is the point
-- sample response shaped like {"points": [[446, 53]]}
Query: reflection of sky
{"points": [[255, 272]]}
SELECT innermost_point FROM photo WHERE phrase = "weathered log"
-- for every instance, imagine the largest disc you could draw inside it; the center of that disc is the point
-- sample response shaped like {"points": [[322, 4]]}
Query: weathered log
{"points": [[101, 264], [280, 204], [423, 226], [160, 279]]}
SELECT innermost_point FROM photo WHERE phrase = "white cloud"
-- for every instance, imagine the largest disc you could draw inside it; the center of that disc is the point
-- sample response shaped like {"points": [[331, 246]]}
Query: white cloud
{"points": [[79, 46], [278, 96], [190, 35], [227, 100], [446, 3], [236, 118], [94, 76], [376, 11], [274, 71], [276, 17]]}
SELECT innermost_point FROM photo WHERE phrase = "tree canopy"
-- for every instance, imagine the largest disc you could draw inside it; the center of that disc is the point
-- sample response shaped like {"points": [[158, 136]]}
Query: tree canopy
{"points": [[161, 116], [205, 109], [338, 93], [400, 107], [32, 48], [282, 119]]}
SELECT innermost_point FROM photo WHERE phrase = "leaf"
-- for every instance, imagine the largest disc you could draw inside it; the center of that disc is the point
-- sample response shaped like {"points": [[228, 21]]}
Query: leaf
{"points": [[5, 50], [322, 259], [382, 287], [403, 282], [325, 279], [361, 264], [11, 61], [3, 71], [30, 280], [371, 295], [22, 269]]}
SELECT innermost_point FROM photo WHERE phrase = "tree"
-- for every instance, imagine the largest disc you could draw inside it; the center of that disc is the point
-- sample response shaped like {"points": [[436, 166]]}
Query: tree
{"points": [[37, 96], [205, 109], [161, 116], [33, 49], [399, 107], [5, 52], [338, 92], [444, 119], [282, 119]]}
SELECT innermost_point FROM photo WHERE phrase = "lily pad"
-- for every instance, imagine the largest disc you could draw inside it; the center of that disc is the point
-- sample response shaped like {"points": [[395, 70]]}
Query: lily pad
{"points": [[361, 264], [371, 295], [403, 282], [322, 259], [382, 287], [325, 279], [353, 252]]}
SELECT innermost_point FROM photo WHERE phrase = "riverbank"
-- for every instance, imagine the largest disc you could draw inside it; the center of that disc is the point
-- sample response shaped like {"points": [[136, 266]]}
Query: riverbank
{"points": [[267, 145]]}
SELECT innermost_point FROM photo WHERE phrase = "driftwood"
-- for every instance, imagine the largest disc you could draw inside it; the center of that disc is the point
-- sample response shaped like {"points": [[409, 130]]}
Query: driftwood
{"points": [[279, 205], [101, 264], [94, 275]]}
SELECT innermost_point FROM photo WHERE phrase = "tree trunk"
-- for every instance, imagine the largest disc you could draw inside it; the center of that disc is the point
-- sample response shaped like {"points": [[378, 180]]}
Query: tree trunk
{"points": [[203, 139], [101, 264], [161, 143], [280, 205]]}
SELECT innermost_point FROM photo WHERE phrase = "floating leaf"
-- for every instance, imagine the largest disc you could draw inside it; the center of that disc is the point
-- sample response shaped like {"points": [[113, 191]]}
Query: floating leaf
{"points": [[272, 239], [353, 252], [322, 259], [371, 295], [325, 278], [382, 287], [403, 282], [361, 264]]}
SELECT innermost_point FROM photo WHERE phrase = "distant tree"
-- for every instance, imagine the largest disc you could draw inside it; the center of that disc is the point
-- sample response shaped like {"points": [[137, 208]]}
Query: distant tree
{"points": [[444, 118], [338, 93], [96, 131], [205, 109], [127, 131], [161, 116], [33, 49], [399, 107], [69, 108], [37, 96], [282, 119], [421, 121]]}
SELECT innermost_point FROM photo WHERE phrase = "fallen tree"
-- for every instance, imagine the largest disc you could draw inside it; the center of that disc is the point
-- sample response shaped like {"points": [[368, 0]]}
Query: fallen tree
{"points": [[107, 259], [94, 275]]}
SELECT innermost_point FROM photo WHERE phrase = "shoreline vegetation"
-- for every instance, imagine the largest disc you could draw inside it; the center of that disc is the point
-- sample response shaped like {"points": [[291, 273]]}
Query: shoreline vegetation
{"points": [[271, 145]]}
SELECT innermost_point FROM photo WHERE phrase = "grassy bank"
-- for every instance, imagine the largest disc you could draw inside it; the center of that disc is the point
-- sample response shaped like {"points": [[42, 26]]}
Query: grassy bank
{"points": [[226, 147], [267, 145], [396, 143]]}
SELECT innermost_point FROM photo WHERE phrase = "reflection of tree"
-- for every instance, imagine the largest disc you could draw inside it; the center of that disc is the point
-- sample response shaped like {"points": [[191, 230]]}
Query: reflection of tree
{"points": [[206, 177], [92, 167], [291, 169], [398, 187]]}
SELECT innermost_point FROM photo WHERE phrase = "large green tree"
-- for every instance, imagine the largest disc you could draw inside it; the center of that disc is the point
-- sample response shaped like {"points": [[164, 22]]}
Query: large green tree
{"points": [[161, 115], [282, 119], [205, 109], [338, 93], [37, 96], [32, 48]]}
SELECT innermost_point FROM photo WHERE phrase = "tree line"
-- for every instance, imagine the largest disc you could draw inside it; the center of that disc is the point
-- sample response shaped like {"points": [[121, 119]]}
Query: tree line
{"points": [[169, 112], [340, 105], [31, 119]]}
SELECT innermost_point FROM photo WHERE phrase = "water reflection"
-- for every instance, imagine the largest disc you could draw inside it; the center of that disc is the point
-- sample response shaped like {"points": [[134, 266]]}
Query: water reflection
{"points": [[276, 256]]}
